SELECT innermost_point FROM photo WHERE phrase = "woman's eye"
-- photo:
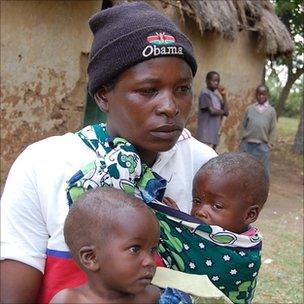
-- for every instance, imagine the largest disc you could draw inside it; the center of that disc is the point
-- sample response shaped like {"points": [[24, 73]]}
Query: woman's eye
{"points": [[147, 91], [184, 89], [134, 249]]}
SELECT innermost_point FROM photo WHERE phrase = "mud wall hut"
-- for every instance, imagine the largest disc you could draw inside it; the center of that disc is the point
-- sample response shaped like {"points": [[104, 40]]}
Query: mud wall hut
{"points": [[44, 52]]}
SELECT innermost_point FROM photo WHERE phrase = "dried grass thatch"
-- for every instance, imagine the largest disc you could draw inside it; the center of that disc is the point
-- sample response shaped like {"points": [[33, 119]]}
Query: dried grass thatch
{"points": [[228, 17]]}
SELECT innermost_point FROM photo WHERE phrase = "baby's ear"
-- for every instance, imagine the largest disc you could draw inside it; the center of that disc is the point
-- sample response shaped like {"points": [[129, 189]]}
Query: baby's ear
{"points": [[87, 257], [252, 214], [102, 100]]}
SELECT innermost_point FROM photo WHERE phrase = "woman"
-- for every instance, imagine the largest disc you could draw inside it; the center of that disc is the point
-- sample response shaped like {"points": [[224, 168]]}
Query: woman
{"points": [[140, 72]]}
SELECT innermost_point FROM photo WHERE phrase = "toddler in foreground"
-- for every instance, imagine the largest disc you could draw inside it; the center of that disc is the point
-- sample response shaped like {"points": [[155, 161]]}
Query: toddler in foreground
{"points": [[113, 237], [115, 251]]}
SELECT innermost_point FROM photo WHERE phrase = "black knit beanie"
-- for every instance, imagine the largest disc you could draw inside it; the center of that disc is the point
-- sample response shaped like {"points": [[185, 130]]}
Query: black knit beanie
{"points": [[127, 34]]}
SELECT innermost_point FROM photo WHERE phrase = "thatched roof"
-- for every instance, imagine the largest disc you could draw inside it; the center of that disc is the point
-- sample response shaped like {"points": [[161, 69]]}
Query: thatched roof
{"points": [[228, 17]]}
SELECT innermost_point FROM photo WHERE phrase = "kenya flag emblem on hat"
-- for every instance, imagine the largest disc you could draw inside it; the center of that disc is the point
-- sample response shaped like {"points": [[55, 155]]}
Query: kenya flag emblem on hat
{"points": [[161, 38]]}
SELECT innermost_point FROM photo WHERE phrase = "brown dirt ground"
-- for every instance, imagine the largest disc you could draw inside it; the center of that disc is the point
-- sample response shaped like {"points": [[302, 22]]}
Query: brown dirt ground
{"points": [[286, 193], [281, 224]]}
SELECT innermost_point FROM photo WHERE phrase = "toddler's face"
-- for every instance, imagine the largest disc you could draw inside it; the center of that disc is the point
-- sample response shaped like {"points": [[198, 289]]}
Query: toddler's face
{"points": [[128, 258], [217, 201]]}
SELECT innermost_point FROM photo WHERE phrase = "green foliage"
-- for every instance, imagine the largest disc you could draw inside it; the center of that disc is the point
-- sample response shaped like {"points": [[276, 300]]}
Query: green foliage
{"points": [[287, 128], [274, 84], [291, 14], [295, 97], [294, 101]]}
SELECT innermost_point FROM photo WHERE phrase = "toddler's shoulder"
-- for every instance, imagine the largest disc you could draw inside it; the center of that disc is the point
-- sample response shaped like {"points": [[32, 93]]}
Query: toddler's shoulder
{"points": [[151, 294], [71, 295]]}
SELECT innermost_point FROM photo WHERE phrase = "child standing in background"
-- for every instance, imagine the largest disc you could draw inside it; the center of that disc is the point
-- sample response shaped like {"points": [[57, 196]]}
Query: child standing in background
{"points": [[258, 128], [211, 110]]}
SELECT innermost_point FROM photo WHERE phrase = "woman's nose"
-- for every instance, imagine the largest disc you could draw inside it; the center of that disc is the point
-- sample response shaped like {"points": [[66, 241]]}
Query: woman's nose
{"points": [[167, 105]]}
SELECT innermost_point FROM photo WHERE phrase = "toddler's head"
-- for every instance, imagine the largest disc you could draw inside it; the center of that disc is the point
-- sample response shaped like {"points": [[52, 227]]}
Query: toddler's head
{"points": [[113, 237], [229, 191]]}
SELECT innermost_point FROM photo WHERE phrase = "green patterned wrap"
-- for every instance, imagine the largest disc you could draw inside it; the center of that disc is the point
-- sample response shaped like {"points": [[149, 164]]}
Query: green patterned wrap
{"points": [[230, 260]]}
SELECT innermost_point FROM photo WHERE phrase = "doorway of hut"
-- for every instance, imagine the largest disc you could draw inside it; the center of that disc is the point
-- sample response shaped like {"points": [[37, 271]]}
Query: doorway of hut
{"points": [[93, 114]]}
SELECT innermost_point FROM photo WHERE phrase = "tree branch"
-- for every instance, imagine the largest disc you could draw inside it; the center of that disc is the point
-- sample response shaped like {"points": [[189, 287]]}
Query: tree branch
{"points": [[297, 74]]}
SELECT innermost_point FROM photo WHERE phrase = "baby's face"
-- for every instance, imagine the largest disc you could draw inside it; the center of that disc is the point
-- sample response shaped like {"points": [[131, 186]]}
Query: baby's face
{"points": [[127, 258], [217, 201]]}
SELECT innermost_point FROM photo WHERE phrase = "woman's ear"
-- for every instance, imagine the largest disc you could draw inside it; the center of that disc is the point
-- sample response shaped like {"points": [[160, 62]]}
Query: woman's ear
{"points": [[88, 259], [102, 100], [252, 214]]}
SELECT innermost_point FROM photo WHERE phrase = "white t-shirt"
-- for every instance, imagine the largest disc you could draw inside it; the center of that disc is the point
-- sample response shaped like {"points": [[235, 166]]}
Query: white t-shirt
{"points": [[34, 203]]}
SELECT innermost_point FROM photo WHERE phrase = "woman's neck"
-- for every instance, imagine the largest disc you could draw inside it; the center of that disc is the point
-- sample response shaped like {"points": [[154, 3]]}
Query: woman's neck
{"points": [[147, 157]]}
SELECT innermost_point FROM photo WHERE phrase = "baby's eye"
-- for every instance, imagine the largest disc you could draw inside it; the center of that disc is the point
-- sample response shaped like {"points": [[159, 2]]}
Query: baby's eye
{"points": [[196, 201], [134, 248], [217, 206], [154, 249]]}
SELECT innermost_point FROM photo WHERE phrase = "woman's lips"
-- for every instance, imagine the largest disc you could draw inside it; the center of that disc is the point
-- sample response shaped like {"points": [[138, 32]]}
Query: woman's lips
{"points": [[167, 132]]}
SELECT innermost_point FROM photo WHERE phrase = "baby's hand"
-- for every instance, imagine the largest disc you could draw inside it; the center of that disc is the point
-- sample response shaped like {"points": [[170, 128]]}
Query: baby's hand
{"points": [[170, 202]]}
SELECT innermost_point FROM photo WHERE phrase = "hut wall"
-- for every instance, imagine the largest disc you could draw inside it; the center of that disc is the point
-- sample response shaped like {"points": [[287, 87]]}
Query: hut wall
{"points": [[44, 46]]}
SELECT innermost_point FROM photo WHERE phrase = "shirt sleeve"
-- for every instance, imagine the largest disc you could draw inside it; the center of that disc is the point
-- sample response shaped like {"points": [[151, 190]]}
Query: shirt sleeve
{"points": [[204, 101], [23, 230], [273, 128], [244, 124]]}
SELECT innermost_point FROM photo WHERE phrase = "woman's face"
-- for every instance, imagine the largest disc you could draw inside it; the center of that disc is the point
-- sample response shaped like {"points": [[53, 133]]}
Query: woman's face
{"points": [[150, 105]]}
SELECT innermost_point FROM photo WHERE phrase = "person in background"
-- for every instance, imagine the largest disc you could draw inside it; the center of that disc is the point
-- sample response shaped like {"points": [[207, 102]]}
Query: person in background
{"points": [[140, 72], [258, 128], [211, 110]]}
